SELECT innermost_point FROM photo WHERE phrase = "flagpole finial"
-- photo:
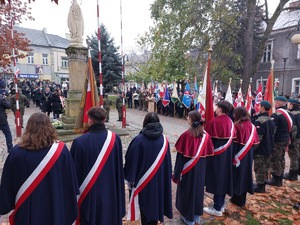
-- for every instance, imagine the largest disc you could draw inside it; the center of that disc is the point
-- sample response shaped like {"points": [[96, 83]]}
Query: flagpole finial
{"points": [[250, 79], [272, 64], [230, 80]]}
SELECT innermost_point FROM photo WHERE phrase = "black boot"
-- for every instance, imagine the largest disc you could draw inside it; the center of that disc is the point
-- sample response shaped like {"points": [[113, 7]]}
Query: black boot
{"points": [[260, 188], [275, 181], [291, 175]]}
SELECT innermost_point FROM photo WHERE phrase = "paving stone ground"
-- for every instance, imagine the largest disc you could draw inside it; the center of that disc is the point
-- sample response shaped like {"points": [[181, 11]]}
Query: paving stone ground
{"points": [[173, 127]]}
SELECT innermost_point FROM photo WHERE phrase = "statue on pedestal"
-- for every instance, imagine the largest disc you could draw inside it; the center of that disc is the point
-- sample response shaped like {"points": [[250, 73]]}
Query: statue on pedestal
{"points": [[75, 24]]}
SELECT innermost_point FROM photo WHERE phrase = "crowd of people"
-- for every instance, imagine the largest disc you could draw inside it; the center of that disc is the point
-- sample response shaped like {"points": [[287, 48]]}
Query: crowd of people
{"points": [[44, 183]]}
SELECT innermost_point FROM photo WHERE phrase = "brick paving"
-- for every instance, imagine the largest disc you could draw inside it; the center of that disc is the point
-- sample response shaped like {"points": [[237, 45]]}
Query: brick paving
{"points": [[173, 127]]}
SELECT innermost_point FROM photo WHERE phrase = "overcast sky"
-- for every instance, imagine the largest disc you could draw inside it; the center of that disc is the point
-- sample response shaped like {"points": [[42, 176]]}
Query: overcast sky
{"points": [[135, 14]]}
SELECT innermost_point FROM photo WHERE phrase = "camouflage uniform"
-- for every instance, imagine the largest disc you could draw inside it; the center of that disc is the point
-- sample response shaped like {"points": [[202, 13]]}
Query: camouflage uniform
{"points": [[106, 105], [23, 102], [293, 150], [262, 154], [281, 138], [119, 104]]}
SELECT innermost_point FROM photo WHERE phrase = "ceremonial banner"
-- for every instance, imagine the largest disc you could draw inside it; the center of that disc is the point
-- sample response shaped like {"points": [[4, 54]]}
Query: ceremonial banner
{"points": [[269, 92], [166, 99], [187, 98], [258, 98], [249, 100], [89, 98], [228, 96]]}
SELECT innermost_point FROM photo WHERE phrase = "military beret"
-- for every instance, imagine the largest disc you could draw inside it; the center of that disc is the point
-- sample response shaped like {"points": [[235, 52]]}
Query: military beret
{"points": [[293, 101], [280, 98], [265, 104]]}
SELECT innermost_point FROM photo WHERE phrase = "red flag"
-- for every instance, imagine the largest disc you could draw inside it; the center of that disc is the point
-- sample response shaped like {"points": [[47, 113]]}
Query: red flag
{"points": [[89, 99], [258, 98], [209, 107], [249, 100], [269, 92]]}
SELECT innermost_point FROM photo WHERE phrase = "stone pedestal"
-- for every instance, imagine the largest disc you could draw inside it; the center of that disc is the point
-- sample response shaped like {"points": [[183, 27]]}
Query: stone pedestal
{"points": [[77, 74]]}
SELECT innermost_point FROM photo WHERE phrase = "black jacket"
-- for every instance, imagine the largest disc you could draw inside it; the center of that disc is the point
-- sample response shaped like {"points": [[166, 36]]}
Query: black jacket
{"points": [[4, 104], [265, 127]]}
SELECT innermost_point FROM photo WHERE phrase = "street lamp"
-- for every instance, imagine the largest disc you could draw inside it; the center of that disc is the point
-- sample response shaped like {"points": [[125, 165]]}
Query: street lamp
{"points": [[284, 63], [124, 59]]}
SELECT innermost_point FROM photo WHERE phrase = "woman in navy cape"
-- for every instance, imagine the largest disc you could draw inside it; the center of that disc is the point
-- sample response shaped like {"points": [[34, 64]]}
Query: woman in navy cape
{"points": [[53, 201], [242, 172], [155, 200], [105, 202], [219, 180], [190, 188]]}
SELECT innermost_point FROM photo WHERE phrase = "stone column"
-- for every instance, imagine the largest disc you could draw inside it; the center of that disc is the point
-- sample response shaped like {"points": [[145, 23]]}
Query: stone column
{"points": [[77, 75]]}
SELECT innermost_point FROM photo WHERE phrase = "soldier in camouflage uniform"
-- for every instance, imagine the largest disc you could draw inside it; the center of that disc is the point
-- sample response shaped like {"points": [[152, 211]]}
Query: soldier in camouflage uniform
{"points": [[293, 106], [265, 128], [141, 99], [283, 122], [23, 102], [106, 105], [119, 104]]}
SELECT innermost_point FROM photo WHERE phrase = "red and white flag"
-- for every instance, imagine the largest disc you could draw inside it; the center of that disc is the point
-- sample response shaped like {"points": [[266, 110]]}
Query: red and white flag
{"points": [[239, 101], [258, 98], [249, 100]]}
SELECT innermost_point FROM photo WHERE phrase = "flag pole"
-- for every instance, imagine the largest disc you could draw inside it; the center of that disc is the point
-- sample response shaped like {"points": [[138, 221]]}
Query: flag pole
{"points": [[209, 109], [123, 70], [100, 59], [17, 113]]}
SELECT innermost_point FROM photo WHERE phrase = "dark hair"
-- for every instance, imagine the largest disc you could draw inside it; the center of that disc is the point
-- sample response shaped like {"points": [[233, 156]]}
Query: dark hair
{"points": [[196, 128], [225, 106], [150, 117], [240, 114], [39, 133], [97, 114]]}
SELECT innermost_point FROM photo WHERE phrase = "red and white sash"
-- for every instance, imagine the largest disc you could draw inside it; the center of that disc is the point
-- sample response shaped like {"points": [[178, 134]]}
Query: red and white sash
{"points": [[287, 116], [93, 174], [192, 162], [240, 155], [222, 148], [133, 211], [36, 177]]}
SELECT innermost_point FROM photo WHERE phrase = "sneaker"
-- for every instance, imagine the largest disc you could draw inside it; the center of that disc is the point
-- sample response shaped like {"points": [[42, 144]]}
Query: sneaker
{"points": [[212, 211], [185, 221], [223, 208]]}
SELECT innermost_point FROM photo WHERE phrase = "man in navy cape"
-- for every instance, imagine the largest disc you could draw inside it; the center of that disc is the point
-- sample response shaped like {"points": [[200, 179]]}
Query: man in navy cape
{"points": [[105, 202]]}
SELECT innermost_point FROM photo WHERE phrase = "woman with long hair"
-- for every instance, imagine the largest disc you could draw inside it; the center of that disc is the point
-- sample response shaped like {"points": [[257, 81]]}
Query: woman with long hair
{"points": [[148, 173], [190, 168], [246, 138], [38, 181]]}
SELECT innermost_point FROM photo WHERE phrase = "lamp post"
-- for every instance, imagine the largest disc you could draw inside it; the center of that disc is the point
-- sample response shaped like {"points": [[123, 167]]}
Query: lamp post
{"points": [[284, 64]]}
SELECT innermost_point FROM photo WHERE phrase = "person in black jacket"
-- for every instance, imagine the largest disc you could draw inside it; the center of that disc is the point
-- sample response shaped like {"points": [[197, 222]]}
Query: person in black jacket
{"points": [[5, 104], [293, 106], [265, 128], [283, 127]]}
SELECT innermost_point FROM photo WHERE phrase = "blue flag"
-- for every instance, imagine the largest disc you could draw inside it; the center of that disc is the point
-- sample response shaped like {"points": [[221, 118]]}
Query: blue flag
{"points": [[166, 99], [187, 98], [156, 93]]}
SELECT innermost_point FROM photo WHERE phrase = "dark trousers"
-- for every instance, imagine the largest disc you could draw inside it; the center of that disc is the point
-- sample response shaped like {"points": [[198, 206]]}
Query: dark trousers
{"points": [[6, 131], [146, 221], [239, 200], [129, 103], [219, 201]]}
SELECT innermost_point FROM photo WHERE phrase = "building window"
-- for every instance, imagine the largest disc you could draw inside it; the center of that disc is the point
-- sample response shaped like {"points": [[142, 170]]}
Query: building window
{"points": [[298, 51], [296, 87], [264, 84], [30, 58], [64, 62], [267, 57], [45, 59]]}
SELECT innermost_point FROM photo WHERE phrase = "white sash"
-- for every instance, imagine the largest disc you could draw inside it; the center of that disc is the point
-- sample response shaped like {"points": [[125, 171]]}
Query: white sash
{"points": [[222, 148], [133, 211], [240, 155], [287, 116]]}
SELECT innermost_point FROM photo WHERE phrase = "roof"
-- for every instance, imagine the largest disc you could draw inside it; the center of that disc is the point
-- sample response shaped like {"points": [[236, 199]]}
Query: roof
{"points": [[287, 19], [40, 38]]}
